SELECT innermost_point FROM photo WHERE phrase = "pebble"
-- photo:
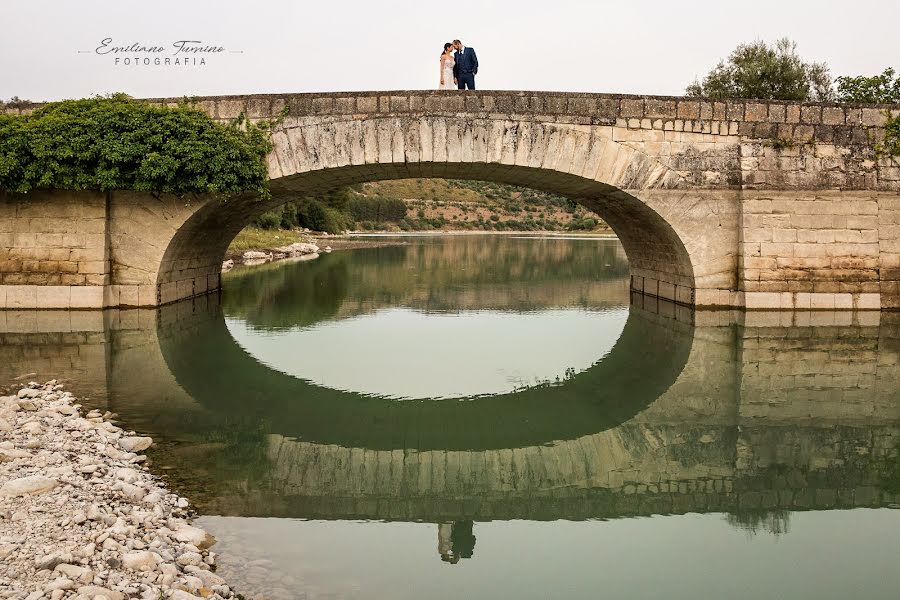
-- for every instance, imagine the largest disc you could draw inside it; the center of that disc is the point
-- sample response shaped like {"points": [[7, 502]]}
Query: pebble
{"points": [[24, 486], [81, 518]]}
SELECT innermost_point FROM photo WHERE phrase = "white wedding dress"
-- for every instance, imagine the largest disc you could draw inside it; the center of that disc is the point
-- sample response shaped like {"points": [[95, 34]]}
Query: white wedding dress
{"points": [[447, 74]]}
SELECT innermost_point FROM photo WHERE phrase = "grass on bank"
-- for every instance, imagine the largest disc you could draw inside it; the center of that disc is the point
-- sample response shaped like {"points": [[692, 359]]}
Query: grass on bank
{"points": [[254, 238]]}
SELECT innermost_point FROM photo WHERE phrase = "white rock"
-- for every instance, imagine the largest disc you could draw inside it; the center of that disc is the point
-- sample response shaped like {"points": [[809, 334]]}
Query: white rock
{"points": [[209, 578], [135, 444], [298, 249], [33, 484], [109, 544], [27, 393], [32, 428], [12, 453], [152, 498], [189, 558], [193, 535], [132, 492], [88, 550], [127, 475], [192, 583], [5, 425], [50, 561], [255, 255], [60, 583], [182, 595], [6, 550], [82, 574], [92, 591], [141, 560]]}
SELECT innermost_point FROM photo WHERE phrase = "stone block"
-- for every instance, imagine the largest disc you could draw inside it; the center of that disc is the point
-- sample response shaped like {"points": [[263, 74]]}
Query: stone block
{"points": [[86, 296], [259, 108], [833, 115], [734, 110], [822, 301], [631, 108], [777, 113], [369, 104], [762, 300], [868, 302], [690, 109], [811, 115], [229, 109], [21, 296], [654, 108], [873, 117], [757, 111]]}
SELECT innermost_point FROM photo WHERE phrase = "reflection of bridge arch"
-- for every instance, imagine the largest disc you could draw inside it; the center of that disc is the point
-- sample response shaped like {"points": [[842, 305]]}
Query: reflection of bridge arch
{"points": [[647, 358]]}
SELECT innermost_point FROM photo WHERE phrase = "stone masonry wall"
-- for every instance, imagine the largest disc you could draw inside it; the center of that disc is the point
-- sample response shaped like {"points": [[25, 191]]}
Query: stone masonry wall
{"points": [[54, 243]]}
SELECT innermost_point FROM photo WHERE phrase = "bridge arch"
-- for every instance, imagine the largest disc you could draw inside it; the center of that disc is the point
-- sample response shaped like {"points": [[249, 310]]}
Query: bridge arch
{"points": [[662, 227]]}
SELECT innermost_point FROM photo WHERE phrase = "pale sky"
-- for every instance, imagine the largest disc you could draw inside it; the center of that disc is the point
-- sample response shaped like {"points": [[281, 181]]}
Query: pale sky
{"points": [[634, 46]]}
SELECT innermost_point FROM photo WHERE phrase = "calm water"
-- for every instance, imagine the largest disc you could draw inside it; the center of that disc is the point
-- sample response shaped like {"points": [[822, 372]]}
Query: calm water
{"points": [[492, 417]]}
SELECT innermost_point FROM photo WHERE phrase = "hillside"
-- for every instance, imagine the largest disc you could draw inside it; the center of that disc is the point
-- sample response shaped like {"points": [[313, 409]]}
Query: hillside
{"points": [[451, 204], [432, 204]]}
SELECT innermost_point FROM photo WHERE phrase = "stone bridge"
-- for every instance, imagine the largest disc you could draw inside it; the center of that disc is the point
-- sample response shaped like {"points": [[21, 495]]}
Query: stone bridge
{"points": [[756, 204]]}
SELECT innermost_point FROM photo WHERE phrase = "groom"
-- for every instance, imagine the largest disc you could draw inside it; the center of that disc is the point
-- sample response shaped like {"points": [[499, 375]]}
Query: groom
{"points": [[466, 66]]}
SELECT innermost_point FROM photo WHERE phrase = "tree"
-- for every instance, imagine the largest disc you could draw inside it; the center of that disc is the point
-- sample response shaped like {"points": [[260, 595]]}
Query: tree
{"points": [[878, 89], [770, 72]]}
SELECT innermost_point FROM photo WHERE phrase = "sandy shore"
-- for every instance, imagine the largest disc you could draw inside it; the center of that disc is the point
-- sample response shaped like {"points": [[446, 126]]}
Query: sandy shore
{"points": [[80, 515]]}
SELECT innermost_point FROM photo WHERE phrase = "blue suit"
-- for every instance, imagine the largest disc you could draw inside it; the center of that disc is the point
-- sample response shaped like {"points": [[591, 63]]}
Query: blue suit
{"points": [[466, 68]]}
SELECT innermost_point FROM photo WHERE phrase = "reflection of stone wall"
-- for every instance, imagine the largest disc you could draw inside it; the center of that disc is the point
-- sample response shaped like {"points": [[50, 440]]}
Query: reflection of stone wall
{"points": [[68, 345], [628, 471], [763, 417], [842, 372], [771, 411]]}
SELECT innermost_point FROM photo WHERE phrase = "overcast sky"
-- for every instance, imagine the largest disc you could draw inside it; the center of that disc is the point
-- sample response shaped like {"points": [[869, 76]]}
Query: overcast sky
{"points": [[636, 46]]}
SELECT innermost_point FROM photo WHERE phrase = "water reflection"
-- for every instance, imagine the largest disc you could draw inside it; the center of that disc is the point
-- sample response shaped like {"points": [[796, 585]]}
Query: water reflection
{"points": [[752, 420]]}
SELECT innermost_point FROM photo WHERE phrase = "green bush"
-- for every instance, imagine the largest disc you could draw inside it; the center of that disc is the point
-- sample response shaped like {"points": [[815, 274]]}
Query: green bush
{"points": [[117, 143], [269, 220], [363, 208]]}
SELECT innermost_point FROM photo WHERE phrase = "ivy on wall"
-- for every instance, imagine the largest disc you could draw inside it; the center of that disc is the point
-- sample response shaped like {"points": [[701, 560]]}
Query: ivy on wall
{"points": [[117, 143], [891, 144]]}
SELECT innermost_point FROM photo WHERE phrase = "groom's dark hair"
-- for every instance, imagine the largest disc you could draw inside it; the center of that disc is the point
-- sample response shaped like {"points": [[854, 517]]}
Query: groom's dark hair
{"points": [[457, 42]]}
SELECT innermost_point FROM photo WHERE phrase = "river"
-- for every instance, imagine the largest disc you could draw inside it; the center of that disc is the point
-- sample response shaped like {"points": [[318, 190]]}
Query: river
{"points": [[496, 417]]}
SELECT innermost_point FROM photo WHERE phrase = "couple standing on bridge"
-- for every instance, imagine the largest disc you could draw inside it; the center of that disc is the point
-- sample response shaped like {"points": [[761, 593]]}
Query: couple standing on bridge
{"points": [[459, 65]]}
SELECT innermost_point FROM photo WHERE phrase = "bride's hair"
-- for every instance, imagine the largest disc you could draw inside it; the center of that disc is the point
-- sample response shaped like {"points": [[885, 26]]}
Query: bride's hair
{"points": [[446, 46]]}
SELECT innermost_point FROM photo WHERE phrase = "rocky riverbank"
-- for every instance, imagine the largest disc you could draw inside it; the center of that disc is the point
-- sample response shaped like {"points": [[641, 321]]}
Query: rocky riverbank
{"points": [[80, 515]]}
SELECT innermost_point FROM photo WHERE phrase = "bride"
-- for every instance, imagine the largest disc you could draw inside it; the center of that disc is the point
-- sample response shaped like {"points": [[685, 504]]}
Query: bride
{"points": [[447, 64]]}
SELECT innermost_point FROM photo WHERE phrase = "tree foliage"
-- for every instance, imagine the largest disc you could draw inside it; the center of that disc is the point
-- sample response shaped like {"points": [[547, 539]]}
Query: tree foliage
{"points": [[771, 72], [325, 212], [117, 143], [377, 209], [877, 89]]}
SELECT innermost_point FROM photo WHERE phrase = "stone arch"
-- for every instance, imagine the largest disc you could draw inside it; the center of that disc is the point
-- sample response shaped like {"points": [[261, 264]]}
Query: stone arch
{"points": [[659, 224]]}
